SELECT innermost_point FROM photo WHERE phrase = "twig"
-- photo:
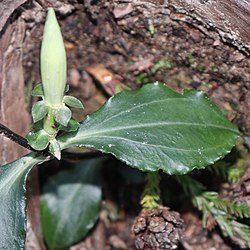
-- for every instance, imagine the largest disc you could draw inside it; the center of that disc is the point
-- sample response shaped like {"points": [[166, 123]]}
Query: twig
{"points": [[15, 137]]}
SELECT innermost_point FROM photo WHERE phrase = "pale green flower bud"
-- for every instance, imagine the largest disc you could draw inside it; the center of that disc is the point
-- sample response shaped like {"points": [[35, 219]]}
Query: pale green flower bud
{"points": [[53, 62]]}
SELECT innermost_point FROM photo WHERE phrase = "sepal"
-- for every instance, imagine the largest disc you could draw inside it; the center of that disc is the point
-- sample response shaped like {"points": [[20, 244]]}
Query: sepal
{"points": [[63, 115], [72, 102], [71, 127], [39, 111], [38, 91], [38, 140]]}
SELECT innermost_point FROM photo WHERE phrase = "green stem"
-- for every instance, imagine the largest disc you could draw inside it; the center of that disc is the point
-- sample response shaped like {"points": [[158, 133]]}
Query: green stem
{"points": [[151, 194], [49, 124]]}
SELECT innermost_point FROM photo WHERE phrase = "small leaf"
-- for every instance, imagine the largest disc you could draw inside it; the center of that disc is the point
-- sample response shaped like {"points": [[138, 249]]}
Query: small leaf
{"points": [[38, 90], [71, 127], [70, 204], [37, 126], [55, 149], [72, 102], [13, 196], [38, 140], [156, 128], [63, 115], [39, 111]]}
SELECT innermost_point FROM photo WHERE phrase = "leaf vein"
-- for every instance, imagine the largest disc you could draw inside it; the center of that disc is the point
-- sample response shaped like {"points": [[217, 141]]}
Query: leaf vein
{"points": [[141, 105], [148, 125], [155, 145]]}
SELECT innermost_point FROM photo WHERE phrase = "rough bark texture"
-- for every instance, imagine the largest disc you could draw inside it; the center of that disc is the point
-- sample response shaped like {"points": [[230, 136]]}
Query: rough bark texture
{"points": [[13, 113], [231, 18], [158, 229], [7, 8], [13, 109]]}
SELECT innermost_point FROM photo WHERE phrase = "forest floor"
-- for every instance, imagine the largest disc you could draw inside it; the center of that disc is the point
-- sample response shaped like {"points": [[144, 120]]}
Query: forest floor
{"points": [[112, 45]]}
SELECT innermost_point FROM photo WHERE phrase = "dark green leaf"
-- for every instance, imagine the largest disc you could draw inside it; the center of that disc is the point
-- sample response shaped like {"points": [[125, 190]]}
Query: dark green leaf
{"points": [[63, 115], [72, 102], [37, 126], [38, 90], [38, 140], [71, 127], [70, 204], [12, 201], [156, 128], [39, 110]]}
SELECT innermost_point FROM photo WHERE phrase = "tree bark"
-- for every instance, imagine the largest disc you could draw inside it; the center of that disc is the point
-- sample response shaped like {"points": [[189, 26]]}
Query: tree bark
{"points": [[7, 8], [13, 110], [230, 18], [13, 113]]}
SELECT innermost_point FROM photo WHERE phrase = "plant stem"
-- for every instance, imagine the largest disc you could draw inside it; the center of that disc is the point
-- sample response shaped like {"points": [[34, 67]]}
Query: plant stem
{"points": [[15, 137], [151, 194], [49, 124], [23, 142]]}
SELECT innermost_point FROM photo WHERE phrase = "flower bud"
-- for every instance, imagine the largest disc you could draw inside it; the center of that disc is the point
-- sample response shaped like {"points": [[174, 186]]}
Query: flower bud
{"points": [[53, 62]]}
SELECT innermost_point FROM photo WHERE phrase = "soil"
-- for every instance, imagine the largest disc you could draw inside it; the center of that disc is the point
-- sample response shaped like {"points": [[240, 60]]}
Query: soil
{"points": [[115, 44]]}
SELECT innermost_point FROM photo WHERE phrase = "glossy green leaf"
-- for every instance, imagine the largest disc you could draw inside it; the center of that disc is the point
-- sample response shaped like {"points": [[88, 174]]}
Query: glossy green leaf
{"points": [[39, 110], [70, 204], [12, 201], [73, 102], [156, 128], [38, 90], [63, 115], [38, 140], [71, 127]]}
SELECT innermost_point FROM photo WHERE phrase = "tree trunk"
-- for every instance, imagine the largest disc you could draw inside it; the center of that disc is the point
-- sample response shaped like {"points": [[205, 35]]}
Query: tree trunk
{"points": [[13, 113], [230, 18]]}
